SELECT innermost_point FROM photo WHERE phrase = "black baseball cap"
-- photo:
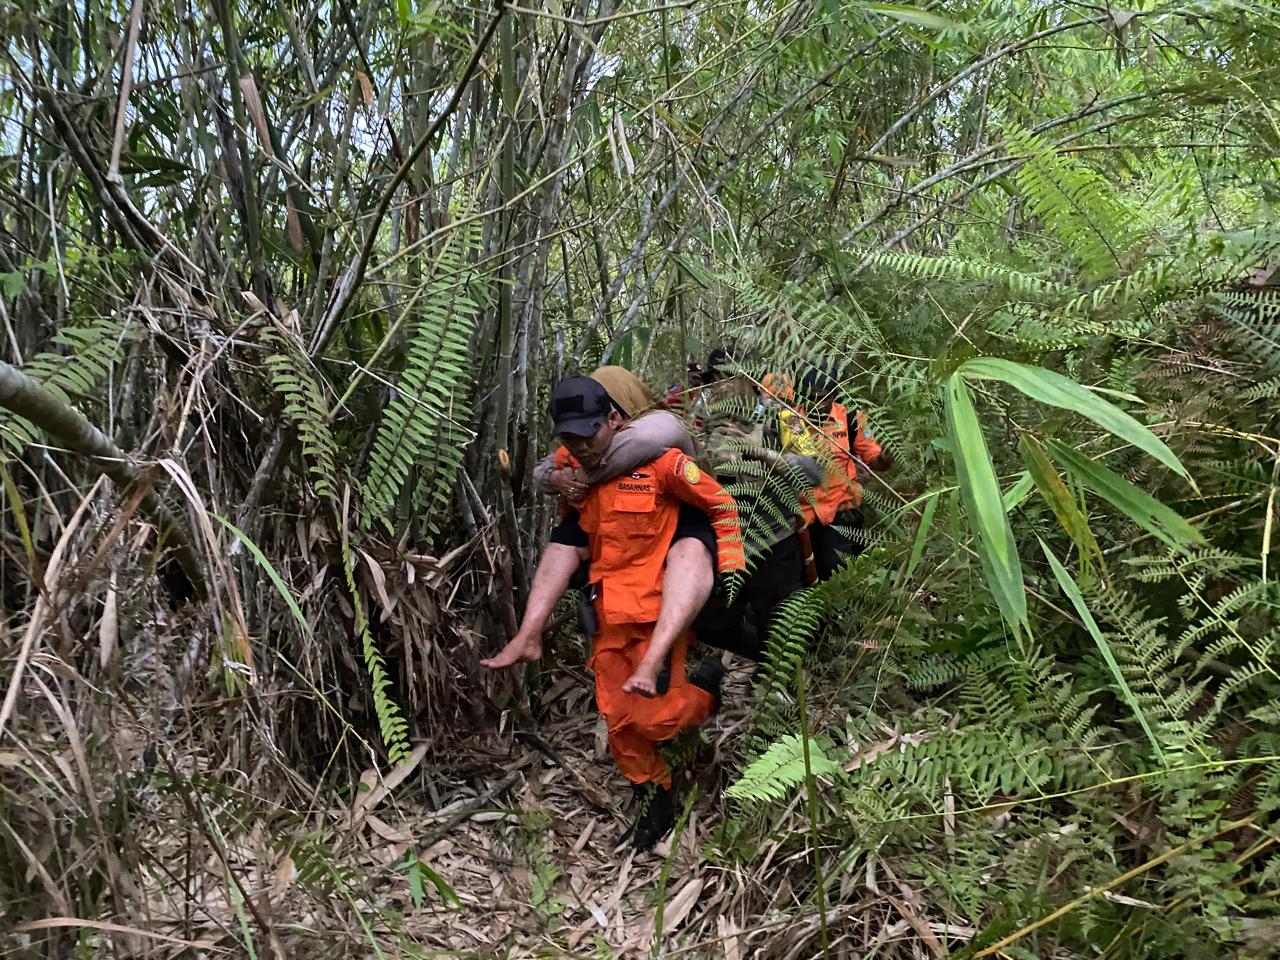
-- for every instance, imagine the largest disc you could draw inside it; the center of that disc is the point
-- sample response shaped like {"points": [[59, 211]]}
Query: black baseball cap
{"points": [[819, 382], [579, 405]]}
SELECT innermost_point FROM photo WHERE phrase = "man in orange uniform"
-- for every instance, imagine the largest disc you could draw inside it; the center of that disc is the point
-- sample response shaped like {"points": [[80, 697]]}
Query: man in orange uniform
{"points": [[639, 652], [848, 449]]}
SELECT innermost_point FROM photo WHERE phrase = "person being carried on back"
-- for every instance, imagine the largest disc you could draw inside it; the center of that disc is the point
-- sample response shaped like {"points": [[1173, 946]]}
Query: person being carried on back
{"points": [[644, 432], [638, 656]]}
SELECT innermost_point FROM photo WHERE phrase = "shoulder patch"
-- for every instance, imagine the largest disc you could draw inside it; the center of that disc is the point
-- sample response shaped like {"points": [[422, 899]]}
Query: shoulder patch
{"points": [[690, 472]]}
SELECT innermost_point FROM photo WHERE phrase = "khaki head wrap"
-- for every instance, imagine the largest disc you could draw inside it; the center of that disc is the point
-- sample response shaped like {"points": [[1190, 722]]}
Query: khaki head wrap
{"points": [[626, 390]]}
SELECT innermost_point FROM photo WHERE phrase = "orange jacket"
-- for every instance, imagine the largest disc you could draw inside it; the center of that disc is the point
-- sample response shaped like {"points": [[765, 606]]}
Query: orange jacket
{"points": [[841, 489], [778, 386], [631, 521]]}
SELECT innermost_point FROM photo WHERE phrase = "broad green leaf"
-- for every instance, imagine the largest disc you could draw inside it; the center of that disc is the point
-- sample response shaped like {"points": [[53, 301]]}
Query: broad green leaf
{"points": [[1057, 496], [271, 572], [916, 16], [1059, 391], [980, 491], [414, 866], [697, 270], [1118, 394], [20, 519], [629, 345], [1138, 505], [1072, 591]]}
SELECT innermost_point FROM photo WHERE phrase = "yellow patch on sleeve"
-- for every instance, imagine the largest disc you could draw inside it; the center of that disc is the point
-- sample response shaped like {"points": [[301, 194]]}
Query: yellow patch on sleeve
{"points": [[690, 472]]}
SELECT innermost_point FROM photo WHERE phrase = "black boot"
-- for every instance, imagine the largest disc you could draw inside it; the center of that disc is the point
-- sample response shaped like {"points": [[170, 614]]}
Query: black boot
{"points": [[709, 675], [655, 814]]}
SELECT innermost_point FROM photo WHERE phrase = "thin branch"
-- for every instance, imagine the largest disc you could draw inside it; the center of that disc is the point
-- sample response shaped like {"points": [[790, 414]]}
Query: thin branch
{"points": [[126, 85], [598, 21], [352, 279]]}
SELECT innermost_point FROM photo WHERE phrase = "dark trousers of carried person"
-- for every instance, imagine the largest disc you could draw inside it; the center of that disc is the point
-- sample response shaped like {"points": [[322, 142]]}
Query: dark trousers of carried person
{"points": [[740, 614], [838, 542], [738, 617]]}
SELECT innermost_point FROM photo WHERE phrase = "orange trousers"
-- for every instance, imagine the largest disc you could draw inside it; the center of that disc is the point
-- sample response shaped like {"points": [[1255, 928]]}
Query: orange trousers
{"points": [[638, 724]]}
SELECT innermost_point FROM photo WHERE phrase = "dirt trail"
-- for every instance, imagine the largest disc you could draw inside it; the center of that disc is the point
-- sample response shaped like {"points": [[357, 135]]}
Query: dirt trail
{"points": [[546, 875]]}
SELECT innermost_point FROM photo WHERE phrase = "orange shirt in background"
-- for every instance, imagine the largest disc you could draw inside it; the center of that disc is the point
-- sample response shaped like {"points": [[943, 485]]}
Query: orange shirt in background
{"points": [[837, 445]]}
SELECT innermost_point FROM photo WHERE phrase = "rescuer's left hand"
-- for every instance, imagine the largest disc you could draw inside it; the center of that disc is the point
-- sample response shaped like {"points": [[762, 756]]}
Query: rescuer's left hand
{"points": [[570, 483]]}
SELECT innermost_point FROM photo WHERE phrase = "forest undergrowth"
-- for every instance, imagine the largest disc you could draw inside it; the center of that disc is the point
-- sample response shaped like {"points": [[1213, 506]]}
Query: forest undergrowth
{"points": [[283, 291]]}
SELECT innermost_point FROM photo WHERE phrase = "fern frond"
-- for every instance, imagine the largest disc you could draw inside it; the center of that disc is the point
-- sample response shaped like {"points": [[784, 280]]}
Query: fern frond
{"points": [[424, 424], [1255, 314], [1075, 205], [1267, 390], [391, 722], [781, 769], [923, 267], [795, 623], [304, 404]]}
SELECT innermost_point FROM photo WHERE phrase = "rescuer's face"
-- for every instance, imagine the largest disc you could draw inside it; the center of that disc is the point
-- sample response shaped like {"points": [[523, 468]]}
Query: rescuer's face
{"points": [[589, 451]]}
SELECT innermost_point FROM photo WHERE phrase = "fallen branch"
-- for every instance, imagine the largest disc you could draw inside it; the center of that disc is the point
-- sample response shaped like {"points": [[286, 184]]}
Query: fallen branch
{"points": [[466, 811], [27, 397], [592, 791]]}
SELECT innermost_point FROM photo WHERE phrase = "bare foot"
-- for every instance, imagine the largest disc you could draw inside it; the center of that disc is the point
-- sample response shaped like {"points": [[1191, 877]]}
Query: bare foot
{"points": [[644, 681], [519, 650]]}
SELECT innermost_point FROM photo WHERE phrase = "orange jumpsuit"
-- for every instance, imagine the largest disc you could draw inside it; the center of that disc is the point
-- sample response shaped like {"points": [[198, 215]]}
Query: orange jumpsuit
{"points": [[630, 522]]}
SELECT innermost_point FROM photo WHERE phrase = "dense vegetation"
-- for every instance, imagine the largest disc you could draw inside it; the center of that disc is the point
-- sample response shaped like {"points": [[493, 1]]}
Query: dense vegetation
{"points": [[283, 288]]}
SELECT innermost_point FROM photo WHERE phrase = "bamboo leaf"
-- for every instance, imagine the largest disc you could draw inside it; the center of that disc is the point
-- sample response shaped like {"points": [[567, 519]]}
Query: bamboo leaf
{"points": [[443, 887], [984, 504], [916, 17], [1018, 492], [1073, 593], [922, 535], [274, 577], [1059, 391], [20, 518], [1057, 496], [414, 866], [253, 103], [697, 270], [1138, 505]]}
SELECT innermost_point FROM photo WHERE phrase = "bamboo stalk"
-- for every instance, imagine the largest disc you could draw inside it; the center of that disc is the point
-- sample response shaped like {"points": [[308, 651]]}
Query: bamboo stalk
{"points": [[235, 69]]}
